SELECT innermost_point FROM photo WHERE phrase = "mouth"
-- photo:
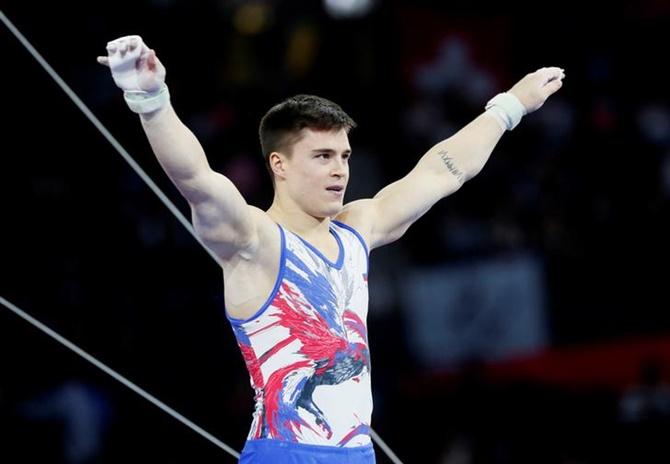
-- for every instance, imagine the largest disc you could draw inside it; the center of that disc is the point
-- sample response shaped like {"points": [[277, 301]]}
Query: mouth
{"points": [[336, 189]]}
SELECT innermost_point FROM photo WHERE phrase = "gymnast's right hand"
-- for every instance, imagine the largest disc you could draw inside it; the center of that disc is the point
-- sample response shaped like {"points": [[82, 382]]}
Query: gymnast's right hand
{"points": [[134, 66]]}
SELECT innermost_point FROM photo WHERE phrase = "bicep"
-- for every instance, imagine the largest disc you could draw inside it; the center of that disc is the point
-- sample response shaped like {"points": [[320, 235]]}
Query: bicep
{"points": [[400, 204], [221, 216]]}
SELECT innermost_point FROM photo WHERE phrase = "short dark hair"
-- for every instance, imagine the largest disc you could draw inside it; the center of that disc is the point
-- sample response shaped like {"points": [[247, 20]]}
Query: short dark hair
{"points": [[281, 125]]}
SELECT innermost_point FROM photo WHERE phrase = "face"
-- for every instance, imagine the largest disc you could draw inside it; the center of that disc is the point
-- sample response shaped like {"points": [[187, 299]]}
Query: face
{"points": [[315, 176]]}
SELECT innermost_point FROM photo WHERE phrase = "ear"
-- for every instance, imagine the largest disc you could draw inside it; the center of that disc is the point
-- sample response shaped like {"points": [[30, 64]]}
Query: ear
{"points": [[277, 163]]}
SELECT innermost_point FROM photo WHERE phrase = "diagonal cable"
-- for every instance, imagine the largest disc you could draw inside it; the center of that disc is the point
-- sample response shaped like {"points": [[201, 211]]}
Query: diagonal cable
{"points": [[103, 130], [108, 370]]}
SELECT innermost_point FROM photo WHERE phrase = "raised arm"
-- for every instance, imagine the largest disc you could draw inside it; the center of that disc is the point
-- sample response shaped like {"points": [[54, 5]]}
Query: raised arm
{"points": [[221, 216], [450, 163]]}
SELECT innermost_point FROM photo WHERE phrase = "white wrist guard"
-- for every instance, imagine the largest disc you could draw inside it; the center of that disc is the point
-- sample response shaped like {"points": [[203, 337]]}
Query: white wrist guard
{"points": [[506, 109], [146, 102]]}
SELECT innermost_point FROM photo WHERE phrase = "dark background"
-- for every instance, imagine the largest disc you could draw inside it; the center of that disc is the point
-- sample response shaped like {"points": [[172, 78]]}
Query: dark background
{"points": [[581, 189]]}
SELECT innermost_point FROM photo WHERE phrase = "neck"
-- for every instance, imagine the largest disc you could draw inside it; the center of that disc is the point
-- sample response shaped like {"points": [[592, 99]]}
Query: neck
{"points": [[296, 219]]}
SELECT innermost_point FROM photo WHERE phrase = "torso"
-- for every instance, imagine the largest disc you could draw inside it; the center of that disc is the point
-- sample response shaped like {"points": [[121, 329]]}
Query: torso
{"points": [[305, 341]]}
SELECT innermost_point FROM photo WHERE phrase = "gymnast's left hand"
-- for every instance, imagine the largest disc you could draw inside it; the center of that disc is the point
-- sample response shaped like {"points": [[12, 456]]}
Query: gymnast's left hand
{"points": [[534, 89]]}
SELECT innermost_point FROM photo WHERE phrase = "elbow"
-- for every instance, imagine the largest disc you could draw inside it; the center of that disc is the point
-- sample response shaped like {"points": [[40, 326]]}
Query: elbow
{"points": [[472, 172], [451, 183]]}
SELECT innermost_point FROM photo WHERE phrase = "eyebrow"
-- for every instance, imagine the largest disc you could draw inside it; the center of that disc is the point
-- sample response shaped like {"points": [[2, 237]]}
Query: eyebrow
{"points": [[330, 150]]}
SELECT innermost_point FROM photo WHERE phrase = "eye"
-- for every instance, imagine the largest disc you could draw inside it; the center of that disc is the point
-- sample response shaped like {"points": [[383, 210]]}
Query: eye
{"points": [[323, 155]]}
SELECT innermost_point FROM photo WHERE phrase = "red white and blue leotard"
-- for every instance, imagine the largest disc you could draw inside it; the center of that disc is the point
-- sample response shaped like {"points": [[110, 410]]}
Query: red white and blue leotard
{"points": [[306, 349]]}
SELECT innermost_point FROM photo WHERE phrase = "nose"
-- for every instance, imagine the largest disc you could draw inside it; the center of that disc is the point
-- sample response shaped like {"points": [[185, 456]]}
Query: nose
{"points": [[340, 168]]}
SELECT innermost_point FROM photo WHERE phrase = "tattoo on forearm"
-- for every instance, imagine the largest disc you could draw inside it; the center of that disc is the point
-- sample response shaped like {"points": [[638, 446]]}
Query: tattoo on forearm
{"points": [[451, 166]]}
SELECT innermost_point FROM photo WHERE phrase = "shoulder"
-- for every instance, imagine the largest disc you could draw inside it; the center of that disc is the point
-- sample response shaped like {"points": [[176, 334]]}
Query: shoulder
{"points": [[262, 244], [359, 216]]}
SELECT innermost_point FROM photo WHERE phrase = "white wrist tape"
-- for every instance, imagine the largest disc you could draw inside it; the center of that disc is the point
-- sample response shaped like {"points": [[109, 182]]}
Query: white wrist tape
{"points": [[506, 109], [146, 102]]}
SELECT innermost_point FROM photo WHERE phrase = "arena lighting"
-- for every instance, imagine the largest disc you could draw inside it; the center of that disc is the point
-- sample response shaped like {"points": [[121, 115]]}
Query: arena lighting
{"points": [[344, 9]]}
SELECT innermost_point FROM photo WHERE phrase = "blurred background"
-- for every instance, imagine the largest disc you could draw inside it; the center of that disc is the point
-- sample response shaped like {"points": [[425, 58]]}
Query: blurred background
{"points": [[523, 319]]}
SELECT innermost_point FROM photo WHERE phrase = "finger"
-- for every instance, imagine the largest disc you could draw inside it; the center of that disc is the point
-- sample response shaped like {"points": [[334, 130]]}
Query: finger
{"points": [[552, 87], [550, 74], [153, 63], [152, 60], [143, 61], [133, 43], [112, 47], [136, 39], [123, 47], [103, 60]]}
